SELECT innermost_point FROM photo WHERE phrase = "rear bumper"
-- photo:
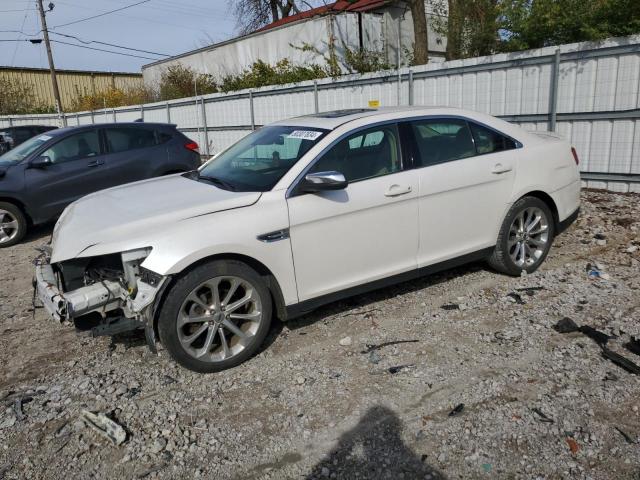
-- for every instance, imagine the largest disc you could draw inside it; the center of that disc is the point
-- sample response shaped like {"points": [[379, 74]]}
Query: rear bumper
{"points": [[566, 223], [567, 200]]}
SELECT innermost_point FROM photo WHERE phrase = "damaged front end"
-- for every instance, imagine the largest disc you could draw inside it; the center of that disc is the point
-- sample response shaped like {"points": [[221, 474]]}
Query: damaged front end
{"points": [[103, 295]]}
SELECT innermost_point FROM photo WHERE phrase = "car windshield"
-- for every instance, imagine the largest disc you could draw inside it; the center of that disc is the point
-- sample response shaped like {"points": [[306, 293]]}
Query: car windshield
{"points": [[258, 161], [23, 150]]}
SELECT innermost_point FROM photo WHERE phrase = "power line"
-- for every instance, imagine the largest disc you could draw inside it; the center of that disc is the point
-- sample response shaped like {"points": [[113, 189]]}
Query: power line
{"points": [[15, 50], [103, 50], [87, 42], [133, 17], [18, 10], [101, 14]]}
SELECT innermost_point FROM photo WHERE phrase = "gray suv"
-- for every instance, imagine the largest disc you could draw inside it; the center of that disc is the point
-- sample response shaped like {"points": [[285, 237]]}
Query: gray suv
{"points": [[43, 175]]}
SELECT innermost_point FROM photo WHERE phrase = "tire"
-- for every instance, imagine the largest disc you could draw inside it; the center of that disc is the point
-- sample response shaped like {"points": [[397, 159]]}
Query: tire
{"points": [[13, 224], [190, 318], [508, 256]]}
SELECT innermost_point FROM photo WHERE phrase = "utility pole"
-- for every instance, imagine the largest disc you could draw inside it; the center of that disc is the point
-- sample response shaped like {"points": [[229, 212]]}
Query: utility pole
{"points": [[52, 68]]}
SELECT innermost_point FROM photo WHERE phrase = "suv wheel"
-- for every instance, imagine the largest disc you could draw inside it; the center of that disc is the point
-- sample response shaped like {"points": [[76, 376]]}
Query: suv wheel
{"points": [[525, 237], [216, 316], [13, 224]]}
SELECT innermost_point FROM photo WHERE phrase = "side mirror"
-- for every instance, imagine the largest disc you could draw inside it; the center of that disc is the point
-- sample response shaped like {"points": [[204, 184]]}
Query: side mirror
{"points": [[322, 181], [41, 162]]}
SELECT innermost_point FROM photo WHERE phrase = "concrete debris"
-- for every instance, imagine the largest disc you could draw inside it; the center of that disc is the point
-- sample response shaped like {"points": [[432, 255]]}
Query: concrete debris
{"points": [[104, 426]]}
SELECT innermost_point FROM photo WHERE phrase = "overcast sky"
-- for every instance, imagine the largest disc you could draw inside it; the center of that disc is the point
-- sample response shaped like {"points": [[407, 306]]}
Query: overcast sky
{"points": [[161, 26]]}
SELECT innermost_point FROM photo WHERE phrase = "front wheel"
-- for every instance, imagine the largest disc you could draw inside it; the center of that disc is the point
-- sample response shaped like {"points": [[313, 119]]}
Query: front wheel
{"points": [[525, 237], [13, 224], [216, 316]]}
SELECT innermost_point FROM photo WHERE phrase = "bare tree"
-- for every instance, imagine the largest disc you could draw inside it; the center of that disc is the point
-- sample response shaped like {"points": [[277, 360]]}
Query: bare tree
{"points": [[253, 14], [420, 35]]}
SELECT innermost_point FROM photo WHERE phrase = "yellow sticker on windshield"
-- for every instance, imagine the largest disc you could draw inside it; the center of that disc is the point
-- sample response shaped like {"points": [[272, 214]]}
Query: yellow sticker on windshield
{"points": [[374, 103]]}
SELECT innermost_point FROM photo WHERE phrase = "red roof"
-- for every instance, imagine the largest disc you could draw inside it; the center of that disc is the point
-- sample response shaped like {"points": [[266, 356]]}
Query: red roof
{"points": [[339, 6]]}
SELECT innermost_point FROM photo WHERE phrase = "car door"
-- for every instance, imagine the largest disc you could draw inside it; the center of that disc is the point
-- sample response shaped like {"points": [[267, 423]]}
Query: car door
{"points": [[75, 170], [465, 173], [368, 231], [132, 154]]}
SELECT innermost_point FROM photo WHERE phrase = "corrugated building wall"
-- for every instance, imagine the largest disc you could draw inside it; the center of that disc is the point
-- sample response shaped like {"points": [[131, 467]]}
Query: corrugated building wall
{"points": [[71, 83]]}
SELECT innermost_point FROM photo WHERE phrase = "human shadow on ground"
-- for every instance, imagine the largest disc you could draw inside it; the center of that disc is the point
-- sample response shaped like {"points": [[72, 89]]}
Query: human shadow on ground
{"points": [[374, 449]]}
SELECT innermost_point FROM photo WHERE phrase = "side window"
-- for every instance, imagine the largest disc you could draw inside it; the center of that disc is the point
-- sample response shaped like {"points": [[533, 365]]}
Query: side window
{"points": [[123, 139], [366, 154], [489, 141], [442, 140], [75, 147], [163, 137]]}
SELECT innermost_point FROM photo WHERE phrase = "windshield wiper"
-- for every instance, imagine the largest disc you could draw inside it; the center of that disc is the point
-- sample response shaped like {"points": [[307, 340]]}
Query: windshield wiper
{"points": [[218, 182]]}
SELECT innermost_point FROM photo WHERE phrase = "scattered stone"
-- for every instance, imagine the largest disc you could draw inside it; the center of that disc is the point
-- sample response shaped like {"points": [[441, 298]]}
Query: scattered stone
{"points": [[345, 342]]}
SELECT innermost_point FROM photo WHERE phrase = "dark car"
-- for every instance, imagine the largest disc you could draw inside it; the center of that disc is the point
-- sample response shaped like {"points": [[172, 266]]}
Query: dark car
{"points": [[11, 137], [43, 175]]}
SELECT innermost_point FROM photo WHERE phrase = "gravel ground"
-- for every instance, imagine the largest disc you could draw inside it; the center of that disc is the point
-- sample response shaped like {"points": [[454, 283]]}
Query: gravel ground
{"points": [[311, 404]]}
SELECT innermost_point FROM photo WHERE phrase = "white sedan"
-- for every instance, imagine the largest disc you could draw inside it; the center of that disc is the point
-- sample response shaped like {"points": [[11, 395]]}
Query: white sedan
{"points": [[304, 212]]}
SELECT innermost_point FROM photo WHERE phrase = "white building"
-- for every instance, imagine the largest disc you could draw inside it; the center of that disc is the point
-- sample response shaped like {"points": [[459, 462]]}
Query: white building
{"points": [[384, 26]]}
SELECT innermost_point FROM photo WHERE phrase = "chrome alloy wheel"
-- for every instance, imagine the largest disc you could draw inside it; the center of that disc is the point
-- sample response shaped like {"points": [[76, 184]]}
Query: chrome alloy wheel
{"points": [[219, 319], [528, 237], [8, 226]]}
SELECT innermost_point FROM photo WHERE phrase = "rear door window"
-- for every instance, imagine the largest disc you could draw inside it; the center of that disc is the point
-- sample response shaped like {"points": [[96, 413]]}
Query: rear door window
{"points": [[129, 138], [442, 140], [74, 147], [490, 141]]}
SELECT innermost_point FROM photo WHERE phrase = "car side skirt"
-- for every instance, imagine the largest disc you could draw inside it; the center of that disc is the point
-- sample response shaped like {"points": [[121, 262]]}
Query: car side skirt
{"points": [[299, 309]]}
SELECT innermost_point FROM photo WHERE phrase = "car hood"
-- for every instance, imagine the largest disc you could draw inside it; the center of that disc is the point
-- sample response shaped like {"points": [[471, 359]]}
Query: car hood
{"points": [[131, 216]]}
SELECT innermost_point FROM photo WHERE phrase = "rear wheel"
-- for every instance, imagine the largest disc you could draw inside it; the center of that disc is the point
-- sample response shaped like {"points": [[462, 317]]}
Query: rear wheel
{"points": [[525, 237], [13, 224], [216, 316]]}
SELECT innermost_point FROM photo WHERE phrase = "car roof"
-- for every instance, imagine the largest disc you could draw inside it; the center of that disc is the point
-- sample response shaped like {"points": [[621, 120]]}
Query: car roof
{"points": [[65, 130], [334, 119]]}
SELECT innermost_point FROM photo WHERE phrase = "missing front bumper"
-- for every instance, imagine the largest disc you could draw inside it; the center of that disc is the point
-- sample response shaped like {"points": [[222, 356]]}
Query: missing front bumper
{"points": [[106, 295]]}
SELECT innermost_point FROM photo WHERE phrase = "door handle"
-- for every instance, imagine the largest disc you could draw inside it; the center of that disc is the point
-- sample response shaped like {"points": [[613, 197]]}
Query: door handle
{"points": [[95, 163], [498, 168], [396, 190]]}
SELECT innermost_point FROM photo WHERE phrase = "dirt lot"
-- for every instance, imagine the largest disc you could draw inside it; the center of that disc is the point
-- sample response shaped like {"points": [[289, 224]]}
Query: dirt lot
{"points": [[537, 403]]}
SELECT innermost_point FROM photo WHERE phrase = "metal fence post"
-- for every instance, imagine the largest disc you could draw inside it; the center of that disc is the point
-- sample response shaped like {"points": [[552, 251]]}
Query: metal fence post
{"points": [[410, 87], [142, 112], [168, 113], [204, 126], [93, 120], [114, 115], [77, 118], [63, 117], [316, 105], [553, 94], [253, 119], [10, 122]]}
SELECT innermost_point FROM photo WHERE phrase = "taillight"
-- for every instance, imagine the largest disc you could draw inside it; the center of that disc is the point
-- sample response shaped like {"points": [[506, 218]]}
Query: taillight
{"points": [[193, 146], [575, 156]]}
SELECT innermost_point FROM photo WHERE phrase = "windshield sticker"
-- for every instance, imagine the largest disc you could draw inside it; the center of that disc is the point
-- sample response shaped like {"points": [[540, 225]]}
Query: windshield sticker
{"points": [[305, 134], [44, 138]]}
